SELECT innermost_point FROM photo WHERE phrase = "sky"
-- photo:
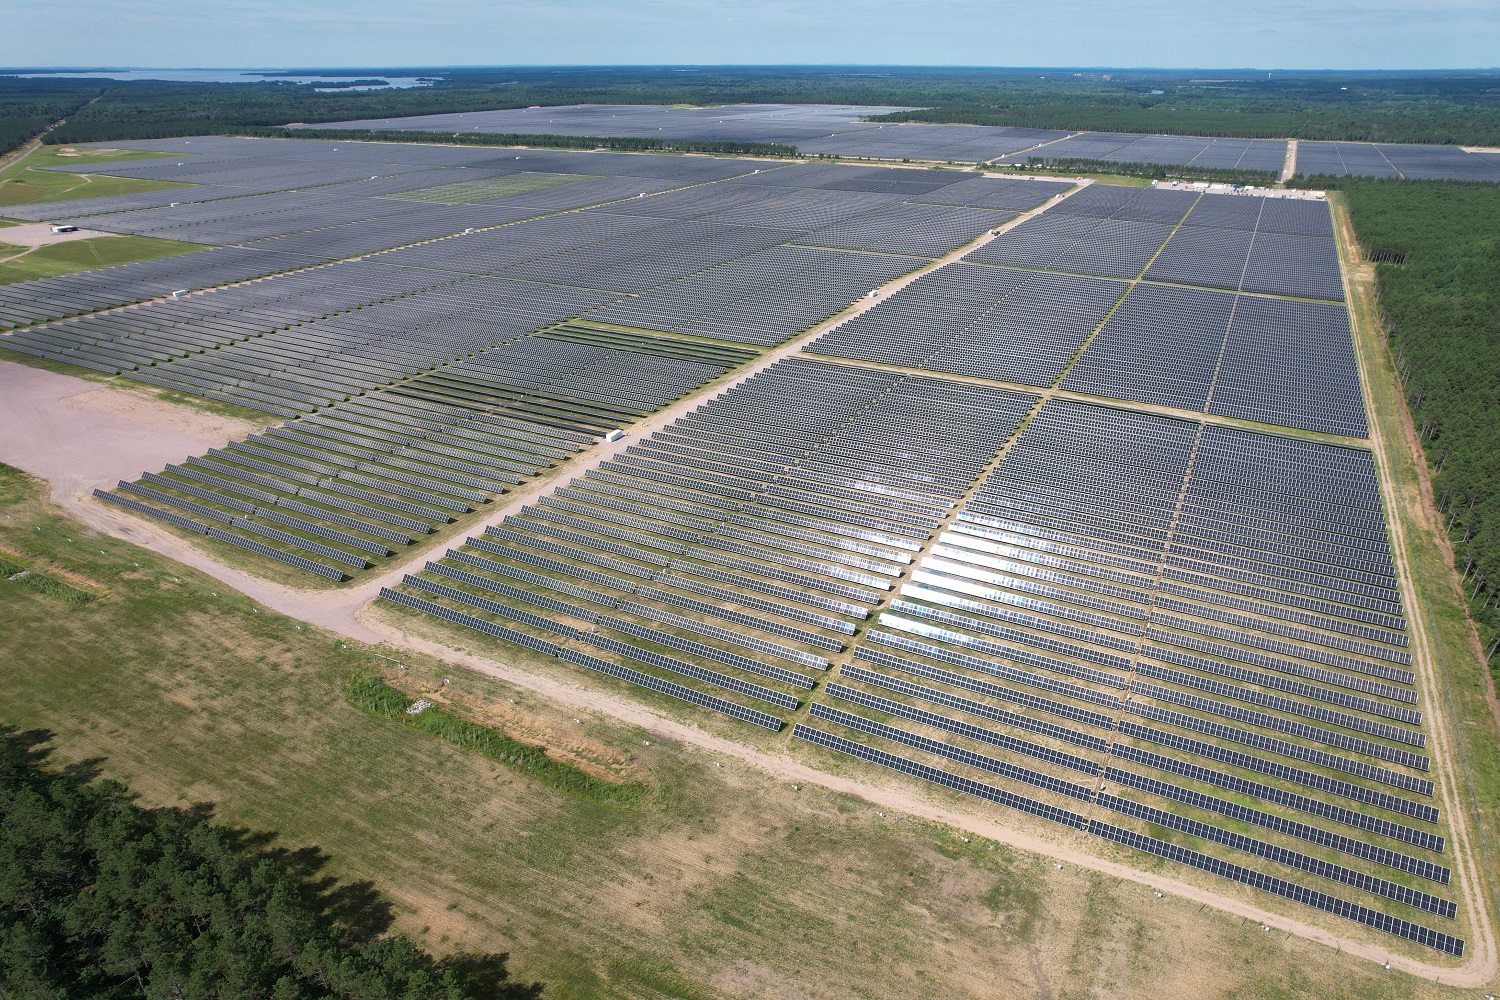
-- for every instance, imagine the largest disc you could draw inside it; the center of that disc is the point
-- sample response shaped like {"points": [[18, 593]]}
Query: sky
{"points": [[1331, 34]]}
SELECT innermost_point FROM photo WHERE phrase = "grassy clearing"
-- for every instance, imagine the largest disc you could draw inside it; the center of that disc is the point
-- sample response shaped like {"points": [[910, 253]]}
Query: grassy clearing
{"points": [[713, 882], [64, 156], [491, 187], [86, 255], [25, 182]]}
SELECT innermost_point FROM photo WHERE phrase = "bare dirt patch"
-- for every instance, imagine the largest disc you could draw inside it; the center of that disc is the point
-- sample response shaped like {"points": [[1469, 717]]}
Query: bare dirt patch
{"points": [[78, 435], [40, 234]]}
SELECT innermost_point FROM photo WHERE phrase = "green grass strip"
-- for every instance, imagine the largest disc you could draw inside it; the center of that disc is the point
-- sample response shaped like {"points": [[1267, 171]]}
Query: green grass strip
{"points": [[14, 572], [380, 699], [466, 192]]}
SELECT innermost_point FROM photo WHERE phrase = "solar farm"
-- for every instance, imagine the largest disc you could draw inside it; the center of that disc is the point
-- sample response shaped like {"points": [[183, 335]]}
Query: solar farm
{"points": [[1056, 496], [844, 131]]}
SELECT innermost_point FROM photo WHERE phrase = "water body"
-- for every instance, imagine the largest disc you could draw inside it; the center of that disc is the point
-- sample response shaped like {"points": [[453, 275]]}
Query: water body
{"points": [[233, 76]]}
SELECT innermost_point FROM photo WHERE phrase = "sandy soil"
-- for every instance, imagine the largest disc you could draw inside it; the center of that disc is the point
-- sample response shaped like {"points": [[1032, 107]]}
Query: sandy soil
{"points": [[78, 435], [40, 234]]}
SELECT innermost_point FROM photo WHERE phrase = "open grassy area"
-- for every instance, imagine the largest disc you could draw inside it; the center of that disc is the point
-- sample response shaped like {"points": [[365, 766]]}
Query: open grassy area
{"points": [[25, 182], [712, 882], [85, 255]]}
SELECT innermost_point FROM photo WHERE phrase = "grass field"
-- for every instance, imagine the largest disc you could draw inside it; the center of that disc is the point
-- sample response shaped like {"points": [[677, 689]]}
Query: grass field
{"points": [[26, 183], [85, 255], [712, 882], [491, 187]]}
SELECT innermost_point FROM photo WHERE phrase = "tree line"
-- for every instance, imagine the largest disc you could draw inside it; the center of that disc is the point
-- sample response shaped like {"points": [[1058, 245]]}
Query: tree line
{"points": [[101, 898], [29, 106], [1437, 248], [1155, 171], [1449, 107]]}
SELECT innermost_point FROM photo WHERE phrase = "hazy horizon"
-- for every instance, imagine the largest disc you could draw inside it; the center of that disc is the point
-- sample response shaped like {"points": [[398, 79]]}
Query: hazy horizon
{"points": [[1437, 35], [311, 68]]}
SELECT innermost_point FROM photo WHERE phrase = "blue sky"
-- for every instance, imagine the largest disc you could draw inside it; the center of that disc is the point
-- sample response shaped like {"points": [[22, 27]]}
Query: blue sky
{"points": [[1335, 34]]}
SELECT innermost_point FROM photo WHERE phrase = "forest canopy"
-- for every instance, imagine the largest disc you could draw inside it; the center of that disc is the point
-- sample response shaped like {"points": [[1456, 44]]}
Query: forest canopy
{"points": [[1448, 107], [101, 898], [1437, 248]]}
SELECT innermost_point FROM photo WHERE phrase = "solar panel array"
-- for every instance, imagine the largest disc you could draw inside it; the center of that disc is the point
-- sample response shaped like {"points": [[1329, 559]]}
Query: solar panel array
{"points": [[1275, 361], [293, 343], [1118, 232], [781, 123], [947, 143], [317, 335], [812, 128], [968, 319], [219, 167], [43, 299], [761, 298], [839, 130], [1138, 623], [1184, 638], [712, 247], [1020, 307], [337, 220], [365, 476], [751, 534], [1362, 159], [1287, 249], [1166, 150]]}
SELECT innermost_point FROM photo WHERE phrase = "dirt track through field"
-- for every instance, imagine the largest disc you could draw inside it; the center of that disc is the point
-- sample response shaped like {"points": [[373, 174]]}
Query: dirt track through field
{"points": [[123, 451]]}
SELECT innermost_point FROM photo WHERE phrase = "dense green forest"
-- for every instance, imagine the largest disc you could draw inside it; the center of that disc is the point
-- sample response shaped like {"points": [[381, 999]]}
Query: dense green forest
{"points": [[103, 899], [28, 106], [1154, 171], [1439, 281], [1397, 107], [1462, 108]]}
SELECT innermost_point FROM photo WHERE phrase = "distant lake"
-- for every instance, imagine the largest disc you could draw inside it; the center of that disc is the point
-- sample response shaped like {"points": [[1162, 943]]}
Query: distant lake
{"points": [[231, 76]]}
